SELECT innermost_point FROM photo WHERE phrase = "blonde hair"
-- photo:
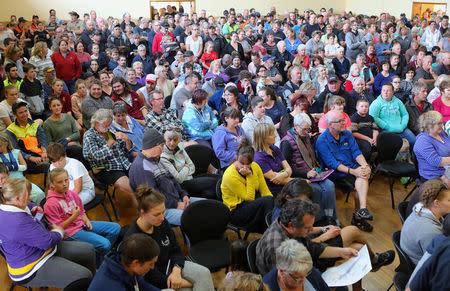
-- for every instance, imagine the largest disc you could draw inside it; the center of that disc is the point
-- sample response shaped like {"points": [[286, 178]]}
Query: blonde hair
{"points": [[427, 119], [261, 131], [38, 49], [14, 187], [12, 50], [212, 64], [243, 282], [55, 173], [158, 70]]}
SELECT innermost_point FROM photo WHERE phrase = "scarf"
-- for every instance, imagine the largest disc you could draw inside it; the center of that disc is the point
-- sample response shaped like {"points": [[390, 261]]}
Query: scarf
{"points": [[305, 147]]}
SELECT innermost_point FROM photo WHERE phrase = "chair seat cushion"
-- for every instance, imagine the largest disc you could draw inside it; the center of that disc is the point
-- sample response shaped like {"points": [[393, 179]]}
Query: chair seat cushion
{"points": [[213, 254], [397, 168]]}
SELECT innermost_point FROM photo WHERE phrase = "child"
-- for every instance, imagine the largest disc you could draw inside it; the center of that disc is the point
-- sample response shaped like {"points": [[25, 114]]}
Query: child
{"points": [[65, 208], [404, 156], [113, 61], [79, 179], [238, 257], [364, 128], [32, 91], [333, 103], [13, 165], [208, 56], [57, 91], [131, 79]]}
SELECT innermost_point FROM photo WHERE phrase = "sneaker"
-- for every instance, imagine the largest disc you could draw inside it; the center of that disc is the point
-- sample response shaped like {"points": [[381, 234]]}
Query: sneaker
{"points": [[364, 214], [361, 224], [383, 259]]}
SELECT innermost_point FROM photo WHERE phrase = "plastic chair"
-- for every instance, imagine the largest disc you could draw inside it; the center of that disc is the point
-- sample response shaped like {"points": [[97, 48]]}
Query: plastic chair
{"points": [[202, 156], [105, 189], [98, 200], [235, 228], [406, 265], [388, 145], [23, 284], [251, 256], [269, 219], [400, 281], [401, 209], [204, 222]]}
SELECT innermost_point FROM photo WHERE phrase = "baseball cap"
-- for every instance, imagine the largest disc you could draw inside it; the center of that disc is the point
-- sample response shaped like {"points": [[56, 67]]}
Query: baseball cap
{"points": [[188, 54], [48, 69], [151, 77], [333, 78], [219, 83], [165, 24], [74, 13], [21, 19], [268, 57]]}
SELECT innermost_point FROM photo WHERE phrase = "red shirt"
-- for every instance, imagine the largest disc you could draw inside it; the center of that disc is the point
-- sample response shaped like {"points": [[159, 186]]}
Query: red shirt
{"points": [[156, 46], [133, 109], [207, 58], [67, 67]]}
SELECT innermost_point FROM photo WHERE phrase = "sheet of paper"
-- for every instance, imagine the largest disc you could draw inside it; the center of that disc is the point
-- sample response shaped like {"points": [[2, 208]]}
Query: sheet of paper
{"points": [[349, 272]]}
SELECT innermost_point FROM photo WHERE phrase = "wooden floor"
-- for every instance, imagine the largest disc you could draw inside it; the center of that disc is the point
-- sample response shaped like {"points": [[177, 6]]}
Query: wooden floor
{"points": [[386, 221]]}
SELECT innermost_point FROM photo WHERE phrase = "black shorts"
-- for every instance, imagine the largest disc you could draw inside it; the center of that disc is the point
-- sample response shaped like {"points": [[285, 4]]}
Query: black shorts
{"points": [[110, 177]]}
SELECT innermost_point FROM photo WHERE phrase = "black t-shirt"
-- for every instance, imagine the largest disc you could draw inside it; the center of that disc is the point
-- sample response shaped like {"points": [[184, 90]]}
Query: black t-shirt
{"points": [[363, 125]]}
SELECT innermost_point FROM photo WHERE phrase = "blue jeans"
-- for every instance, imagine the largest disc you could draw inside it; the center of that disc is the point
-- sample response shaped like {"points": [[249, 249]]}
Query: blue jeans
{"points": [[102, 236], [409, 135], [323, 194], [173, 215]]}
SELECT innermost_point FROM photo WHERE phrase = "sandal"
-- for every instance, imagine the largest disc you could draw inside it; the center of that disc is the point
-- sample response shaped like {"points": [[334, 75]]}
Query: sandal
{"points": [[361, 224]]}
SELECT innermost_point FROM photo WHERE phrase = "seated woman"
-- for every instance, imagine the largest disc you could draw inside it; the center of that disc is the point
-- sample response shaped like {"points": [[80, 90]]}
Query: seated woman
{"points": [[62, 128], [293, 259], [432, 147], [274, 108], [128, 125], [333, 103], [214, 71], [245, 192], [442, 103], [171, 270], [58, 92], [165, 85], [32, 253], [359, 90], [232, 98], [390, 114], [425, 222], [383, 77], [179, 164], [233, 70], [269, 157], [76, 100], [256, 116], [226, 137], [107, 153], [65, 208], [297, 147], [198, 118]]}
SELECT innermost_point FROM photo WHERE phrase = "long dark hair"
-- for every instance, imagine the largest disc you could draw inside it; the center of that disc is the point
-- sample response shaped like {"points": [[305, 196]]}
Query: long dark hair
{"points": [[293, 189]]}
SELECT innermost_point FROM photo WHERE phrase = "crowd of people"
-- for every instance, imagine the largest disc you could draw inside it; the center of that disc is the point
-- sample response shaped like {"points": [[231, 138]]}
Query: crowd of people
{"points": [[289, 106]]}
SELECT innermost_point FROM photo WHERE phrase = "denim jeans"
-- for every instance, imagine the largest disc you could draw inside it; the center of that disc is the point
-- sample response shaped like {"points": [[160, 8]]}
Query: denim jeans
{"points": [[409, 135], [102, 236], [173, 215], [324, 195]]}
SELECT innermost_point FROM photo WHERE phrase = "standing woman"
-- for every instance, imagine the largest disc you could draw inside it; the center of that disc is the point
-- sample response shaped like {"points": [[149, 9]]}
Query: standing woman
{"points": [[269, 157], [67, 65], [245, 192], [234, 46], [39, 60], [194, 42], [171, 270]]}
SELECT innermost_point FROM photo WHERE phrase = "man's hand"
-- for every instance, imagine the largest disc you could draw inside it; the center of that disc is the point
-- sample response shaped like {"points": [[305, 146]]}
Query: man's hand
{"points": [[36, 160], [362, 172], [44, 157], [347, 253], [186, 200], [111, 142], [332, 231], [181, 205]]}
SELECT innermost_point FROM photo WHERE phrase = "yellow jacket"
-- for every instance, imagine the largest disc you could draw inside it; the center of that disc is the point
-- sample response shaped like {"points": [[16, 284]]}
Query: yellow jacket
{"points": [[237, 189]]}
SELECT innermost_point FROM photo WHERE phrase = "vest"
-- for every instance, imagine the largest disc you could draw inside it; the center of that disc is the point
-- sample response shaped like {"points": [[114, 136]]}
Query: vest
{"points": [[27, 136], [297, 161]]}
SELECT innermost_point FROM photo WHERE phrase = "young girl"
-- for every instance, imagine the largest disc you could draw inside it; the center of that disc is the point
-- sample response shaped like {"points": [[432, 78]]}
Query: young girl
{"points": [[15, 165], [333, 103], [354, 73], [238, 257], [57, 91], [208, 56], [64, 208]]}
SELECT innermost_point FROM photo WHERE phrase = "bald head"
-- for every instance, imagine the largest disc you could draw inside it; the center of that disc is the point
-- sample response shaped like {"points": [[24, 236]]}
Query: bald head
{"points": [[333, 116]]}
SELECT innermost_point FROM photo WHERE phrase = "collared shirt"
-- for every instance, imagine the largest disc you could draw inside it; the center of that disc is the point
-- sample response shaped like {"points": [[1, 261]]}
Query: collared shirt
{"points": [[164, 121], [332, 152]]}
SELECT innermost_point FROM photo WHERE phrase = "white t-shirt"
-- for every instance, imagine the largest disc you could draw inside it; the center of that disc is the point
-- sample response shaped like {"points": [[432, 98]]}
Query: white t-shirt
{"points": [[195, 45], [76, 169]]}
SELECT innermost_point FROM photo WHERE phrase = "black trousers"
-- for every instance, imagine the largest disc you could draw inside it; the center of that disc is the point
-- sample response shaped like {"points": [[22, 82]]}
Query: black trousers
{"points": [[252, 214]]}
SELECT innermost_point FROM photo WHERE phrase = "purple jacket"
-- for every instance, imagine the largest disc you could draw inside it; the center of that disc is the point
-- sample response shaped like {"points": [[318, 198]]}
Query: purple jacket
{"points": [[25, 242], [429, 152]]}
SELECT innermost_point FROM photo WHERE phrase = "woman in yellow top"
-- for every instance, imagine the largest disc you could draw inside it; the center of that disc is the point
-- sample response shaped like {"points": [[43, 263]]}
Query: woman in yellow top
{"points": [[245, 192]]}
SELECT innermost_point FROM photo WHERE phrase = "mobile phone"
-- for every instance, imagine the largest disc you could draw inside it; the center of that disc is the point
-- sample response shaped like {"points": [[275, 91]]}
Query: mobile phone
{"points": [[39, 216]]}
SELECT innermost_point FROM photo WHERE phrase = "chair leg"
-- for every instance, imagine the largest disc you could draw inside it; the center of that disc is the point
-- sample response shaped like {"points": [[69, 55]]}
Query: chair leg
{"points": [[106, 211], [410, 192], [112, 203], [12, 286], [390, 286], [246, 234], [391, 187], [348, 195]]}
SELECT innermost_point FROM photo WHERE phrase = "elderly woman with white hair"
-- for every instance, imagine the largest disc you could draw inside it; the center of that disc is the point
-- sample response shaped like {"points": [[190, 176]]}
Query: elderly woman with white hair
{"points": [[436, 92], [179, 164], [294, 269], [359, 90], [298, 149], [108, 152]]}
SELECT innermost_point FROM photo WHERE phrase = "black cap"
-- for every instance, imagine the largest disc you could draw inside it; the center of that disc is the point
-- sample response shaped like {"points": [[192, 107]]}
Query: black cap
{"points": [[74, 13], [151, 138], [219, 83], [21, 19], [188, 54], [117, 25], [164, 24], [333, 78], [225, 12]]}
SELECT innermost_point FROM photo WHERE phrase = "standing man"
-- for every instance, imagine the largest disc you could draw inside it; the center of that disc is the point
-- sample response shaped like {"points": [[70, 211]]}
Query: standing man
{"points": [[75, 25]]}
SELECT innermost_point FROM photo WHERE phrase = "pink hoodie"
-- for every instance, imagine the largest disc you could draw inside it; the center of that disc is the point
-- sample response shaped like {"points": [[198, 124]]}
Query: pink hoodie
{"points": [[59, 208]]}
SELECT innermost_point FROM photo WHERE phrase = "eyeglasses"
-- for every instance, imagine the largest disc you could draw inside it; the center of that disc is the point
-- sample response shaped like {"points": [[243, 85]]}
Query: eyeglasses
{"points": [[339, 121], [299, 279], [438, 123], [305, 129]]}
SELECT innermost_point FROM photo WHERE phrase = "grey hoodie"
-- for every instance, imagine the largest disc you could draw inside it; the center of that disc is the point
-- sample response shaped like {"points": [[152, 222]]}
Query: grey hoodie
{"points": [[249, 123]]}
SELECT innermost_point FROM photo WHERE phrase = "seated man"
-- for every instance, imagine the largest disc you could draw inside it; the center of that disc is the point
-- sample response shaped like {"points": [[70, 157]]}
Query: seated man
{"points": [[417, 105], [159, 117], [123, 92], [12, 76], [93, 102], [107, 153], [29, 137], [147, 169], [124, 270], [337, 149], [296, 221], [79, 179]]}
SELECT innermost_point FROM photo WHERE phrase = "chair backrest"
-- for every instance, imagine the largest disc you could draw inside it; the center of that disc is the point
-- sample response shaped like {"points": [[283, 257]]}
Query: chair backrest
{"points": [[268, 219], [205, 220], [201, 156], [219, 190], [388, 145], [401, 209], [251, 256], [400, 281], [406, 265], [167, 101]]}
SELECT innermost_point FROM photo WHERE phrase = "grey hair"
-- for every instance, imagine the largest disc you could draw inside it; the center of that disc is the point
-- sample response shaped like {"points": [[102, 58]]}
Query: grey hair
{"points": [[293, 257], [119, 107], [427, 119], [355, 65], [306, 87], [417, 86], [340, 49], [295, 209], [141, 46], [301, 46], [357, 79], [101, 116], [441, 79], [300, 118], [361, 56], [151, 96], [172, 134]]}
